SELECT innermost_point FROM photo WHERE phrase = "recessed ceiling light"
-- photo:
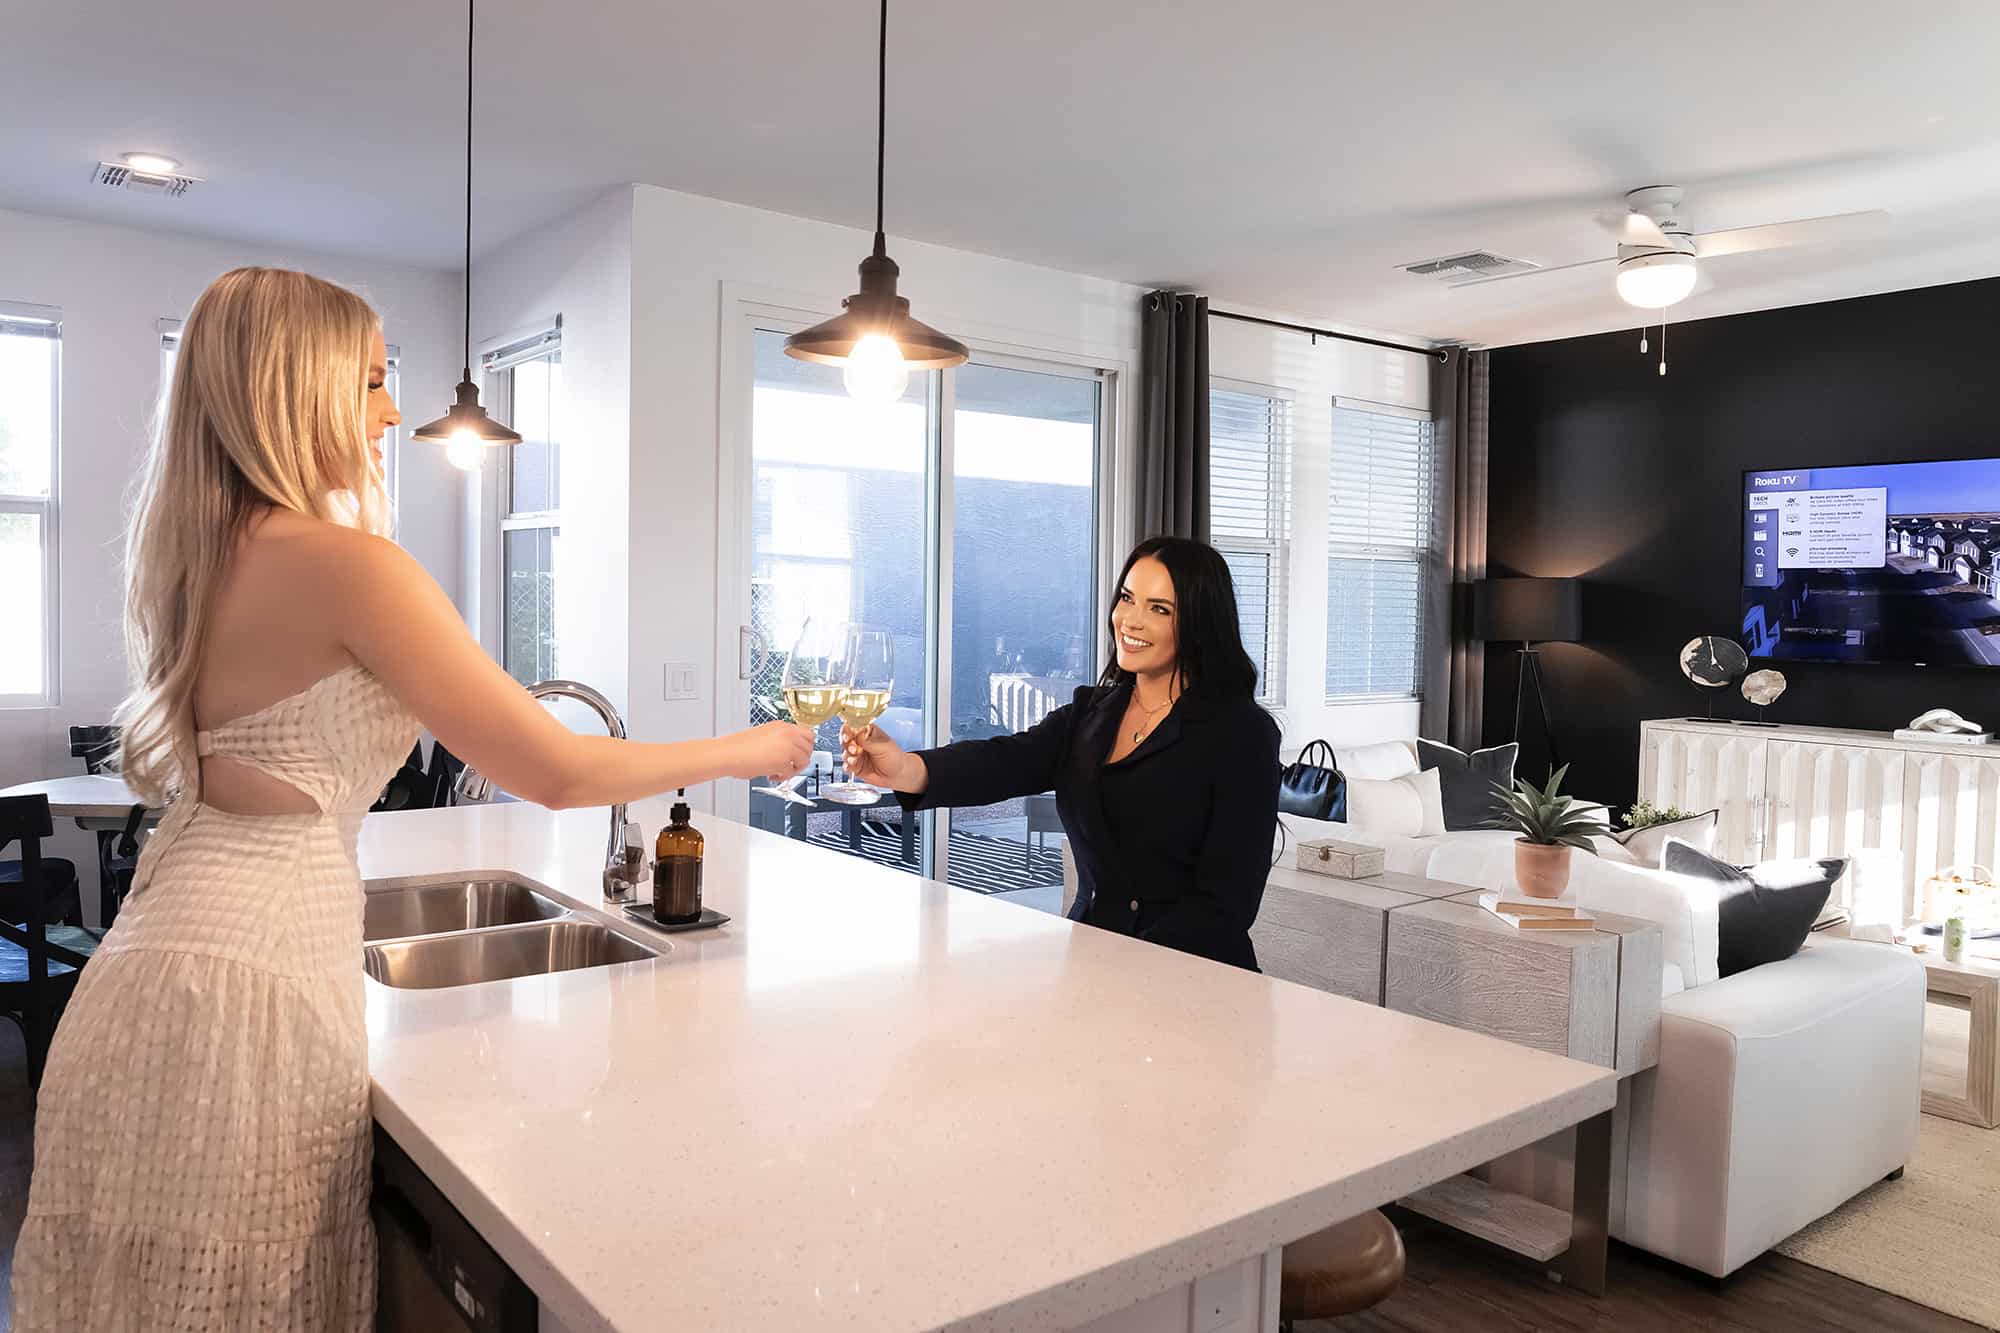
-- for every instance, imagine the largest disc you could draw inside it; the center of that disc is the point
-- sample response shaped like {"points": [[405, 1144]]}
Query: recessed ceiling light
{"points": [[152, 164]]}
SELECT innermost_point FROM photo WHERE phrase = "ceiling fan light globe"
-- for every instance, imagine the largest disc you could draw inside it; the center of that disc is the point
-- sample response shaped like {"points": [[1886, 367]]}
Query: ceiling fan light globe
{"points": [[1655, 281]]}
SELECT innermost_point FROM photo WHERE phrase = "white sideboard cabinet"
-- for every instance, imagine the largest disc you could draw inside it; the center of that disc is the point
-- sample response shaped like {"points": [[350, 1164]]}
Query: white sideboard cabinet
{"points": [[1828, 791]]}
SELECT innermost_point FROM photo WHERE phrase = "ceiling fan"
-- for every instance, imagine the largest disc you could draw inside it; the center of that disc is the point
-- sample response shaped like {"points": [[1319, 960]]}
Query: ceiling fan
{"points": [[1658, 255]]}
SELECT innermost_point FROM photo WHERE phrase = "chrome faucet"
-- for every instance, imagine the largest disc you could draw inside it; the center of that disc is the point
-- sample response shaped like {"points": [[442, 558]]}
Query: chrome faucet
{"points": [[625, 852]]}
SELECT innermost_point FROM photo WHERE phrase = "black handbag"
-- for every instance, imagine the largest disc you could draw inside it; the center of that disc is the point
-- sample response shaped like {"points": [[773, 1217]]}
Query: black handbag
{"points": [[1311, 786]]}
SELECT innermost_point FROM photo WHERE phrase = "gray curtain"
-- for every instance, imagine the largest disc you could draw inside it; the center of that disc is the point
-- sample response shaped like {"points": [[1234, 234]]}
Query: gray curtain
{"points": [[1455, 662], [1173, 416]]}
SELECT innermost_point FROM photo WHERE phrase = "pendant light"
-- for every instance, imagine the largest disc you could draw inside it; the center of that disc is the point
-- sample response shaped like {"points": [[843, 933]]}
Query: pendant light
{"points": [[874, 339], [466, 431]]}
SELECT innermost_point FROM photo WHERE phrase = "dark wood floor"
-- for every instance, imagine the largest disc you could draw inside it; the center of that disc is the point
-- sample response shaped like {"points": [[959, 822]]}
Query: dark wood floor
{"points": [[1457, 1284]]}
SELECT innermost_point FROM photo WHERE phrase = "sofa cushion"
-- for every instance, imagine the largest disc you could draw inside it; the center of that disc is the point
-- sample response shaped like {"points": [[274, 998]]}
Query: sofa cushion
{"points": [[1468, 780], [1389, 759], [1412, 807], [1646, 844], [1683, 906], [1765, 911]]}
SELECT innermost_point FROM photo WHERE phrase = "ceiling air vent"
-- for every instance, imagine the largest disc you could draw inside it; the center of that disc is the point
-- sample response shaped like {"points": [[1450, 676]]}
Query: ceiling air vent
{"points": [[1472, 266], [121, 177]]}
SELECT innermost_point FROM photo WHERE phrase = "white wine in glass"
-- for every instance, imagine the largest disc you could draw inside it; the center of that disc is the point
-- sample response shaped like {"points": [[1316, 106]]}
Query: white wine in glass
{"points": [[815, 705], [815, 678], [869, 669]]}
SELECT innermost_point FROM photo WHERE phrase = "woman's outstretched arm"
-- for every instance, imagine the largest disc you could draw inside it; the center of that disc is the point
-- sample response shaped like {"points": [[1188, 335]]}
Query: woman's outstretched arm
{"points": [[392, 616]]}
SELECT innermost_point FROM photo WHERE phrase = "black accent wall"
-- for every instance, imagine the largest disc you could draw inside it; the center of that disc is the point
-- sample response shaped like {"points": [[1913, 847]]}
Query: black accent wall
{"points": [[1604, 469]]}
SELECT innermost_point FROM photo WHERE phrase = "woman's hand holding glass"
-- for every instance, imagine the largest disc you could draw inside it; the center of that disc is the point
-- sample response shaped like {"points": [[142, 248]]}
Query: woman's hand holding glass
{"points": [[776, 751], [873, 758]]}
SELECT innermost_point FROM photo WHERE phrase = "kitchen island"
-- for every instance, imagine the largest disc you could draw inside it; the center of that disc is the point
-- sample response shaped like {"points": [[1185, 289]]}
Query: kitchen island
{"points": [[874, 1102]]}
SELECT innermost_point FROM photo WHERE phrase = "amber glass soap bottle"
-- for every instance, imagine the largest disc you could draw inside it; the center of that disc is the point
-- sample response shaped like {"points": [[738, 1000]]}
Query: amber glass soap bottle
{"points": [[677, 869]]}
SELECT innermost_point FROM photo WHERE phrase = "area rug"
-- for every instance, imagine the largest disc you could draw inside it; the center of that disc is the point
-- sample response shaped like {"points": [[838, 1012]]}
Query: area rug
{"points": [[1932, 1237]]}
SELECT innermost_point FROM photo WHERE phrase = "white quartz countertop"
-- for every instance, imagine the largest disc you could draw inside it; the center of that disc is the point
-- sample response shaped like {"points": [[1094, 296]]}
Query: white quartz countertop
{"points": [[873, 1102]]}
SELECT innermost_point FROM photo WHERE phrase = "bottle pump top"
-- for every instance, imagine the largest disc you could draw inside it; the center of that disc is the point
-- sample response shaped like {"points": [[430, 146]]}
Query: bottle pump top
{"points": [[680, 814]]}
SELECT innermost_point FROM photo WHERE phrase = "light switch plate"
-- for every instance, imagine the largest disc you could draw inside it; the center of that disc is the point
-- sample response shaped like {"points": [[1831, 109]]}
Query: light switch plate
{"points": [[680, 681]]}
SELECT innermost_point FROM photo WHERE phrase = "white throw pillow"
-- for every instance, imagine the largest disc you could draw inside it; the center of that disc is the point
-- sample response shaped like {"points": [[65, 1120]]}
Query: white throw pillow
{"points": [[1411, 807], [1648, 844], [1390, 759]]}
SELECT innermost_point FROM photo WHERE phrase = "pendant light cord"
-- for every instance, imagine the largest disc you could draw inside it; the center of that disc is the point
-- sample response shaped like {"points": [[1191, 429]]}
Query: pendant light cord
{"points": [[470, 6], [881, 119]]}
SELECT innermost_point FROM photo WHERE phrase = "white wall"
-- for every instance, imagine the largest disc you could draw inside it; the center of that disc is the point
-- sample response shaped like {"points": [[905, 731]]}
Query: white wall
{"points": [[579, 268], [690, 256], [113, 284], [650, 517], [1317, 371]]}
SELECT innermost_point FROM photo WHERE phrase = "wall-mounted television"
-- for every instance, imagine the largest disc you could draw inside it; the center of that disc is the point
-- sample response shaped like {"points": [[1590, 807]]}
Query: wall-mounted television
{"points": [[1892, 562]]}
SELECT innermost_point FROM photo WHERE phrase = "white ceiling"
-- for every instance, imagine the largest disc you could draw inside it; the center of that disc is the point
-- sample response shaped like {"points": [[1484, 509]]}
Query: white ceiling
{"points": [[1283, 154]]}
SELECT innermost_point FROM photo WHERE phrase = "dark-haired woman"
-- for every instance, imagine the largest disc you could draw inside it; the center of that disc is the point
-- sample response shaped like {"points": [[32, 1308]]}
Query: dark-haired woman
{"points": [[1165, 772]]}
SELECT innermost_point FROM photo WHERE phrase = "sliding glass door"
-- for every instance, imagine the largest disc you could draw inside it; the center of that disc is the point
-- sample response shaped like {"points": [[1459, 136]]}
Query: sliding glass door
{"points": [[962, 520], [1022, 510]]}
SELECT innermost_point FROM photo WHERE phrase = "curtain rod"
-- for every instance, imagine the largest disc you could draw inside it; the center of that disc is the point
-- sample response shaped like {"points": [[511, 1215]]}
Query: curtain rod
{"points": [[1440, 353]]}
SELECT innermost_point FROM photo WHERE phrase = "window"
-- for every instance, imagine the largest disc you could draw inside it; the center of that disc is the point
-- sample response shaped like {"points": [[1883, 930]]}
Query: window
{"points": [[30, 417], [392, 439], [1381, 545], [1249, 508], [524, 383]]}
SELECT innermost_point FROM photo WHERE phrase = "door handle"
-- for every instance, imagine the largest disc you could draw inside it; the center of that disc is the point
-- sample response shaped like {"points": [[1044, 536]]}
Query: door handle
{"points": [[752, 651]]}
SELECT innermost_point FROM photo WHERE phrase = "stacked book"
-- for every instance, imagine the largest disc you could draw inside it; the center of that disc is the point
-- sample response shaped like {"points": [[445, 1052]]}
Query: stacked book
{"points": [[1521, 912]]}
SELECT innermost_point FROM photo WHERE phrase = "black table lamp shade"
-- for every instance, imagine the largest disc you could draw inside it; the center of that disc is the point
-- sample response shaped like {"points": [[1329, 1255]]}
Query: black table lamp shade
{"points": [[1528, 610]]}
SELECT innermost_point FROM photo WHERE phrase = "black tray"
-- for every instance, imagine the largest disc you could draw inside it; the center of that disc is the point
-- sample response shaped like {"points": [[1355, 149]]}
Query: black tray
{"points": [[643, 914]]}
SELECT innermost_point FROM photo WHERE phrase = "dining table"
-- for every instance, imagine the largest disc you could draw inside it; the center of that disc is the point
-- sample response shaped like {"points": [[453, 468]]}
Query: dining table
{"points": [[100, 803]]}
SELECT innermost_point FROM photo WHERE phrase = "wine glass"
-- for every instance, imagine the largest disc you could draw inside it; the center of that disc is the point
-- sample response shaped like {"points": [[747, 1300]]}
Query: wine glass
{"points": [[814, 681], [869, 671]]}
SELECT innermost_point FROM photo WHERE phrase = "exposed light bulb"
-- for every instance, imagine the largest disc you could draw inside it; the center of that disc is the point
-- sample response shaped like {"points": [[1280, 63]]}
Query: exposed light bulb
{"points": [[875, 370], [465, 450], [151, 163]]}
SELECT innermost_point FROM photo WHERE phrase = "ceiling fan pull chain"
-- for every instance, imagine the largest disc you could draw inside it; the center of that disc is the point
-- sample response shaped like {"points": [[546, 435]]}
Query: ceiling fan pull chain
{"points": [[1642, 340], [1663, 346]]}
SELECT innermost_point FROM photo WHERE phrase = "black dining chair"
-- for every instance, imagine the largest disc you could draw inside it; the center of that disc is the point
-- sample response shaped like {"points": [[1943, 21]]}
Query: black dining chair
{"points": [[443, 773], [117, 849], [39, 962]]}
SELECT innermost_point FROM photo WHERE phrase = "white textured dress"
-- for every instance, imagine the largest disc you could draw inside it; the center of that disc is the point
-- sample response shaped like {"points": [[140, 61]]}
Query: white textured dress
{"points": [[202, 1141]]}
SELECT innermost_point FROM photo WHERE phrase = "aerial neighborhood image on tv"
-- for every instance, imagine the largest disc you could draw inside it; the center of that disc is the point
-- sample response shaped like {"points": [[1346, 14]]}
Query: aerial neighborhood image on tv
{"points": [[1896, 562]]}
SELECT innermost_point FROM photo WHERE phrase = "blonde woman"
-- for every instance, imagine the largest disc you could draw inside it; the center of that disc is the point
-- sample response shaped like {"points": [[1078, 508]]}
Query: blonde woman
{"points": [[202, 1141]]}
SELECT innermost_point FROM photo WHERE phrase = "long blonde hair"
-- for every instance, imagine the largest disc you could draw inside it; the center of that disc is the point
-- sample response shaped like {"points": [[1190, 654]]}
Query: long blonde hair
{"points": [[268, 408]]}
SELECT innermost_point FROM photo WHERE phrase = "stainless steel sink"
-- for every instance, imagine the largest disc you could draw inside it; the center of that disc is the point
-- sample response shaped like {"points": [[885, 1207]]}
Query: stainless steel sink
{"points": [[433, 909], [493, 955]]}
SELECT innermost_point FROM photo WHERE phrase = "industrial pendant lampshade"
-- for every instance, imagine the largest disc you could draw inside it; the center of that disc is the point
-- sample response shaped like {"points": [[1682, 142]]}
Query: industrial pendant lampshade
{"points": [[466, 431], [874, 339]]}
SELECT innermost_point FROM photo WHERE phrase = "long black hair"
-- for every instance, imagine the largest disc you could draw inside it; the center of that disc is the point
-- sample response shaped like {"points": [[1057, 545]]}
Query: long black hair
{"points": [[1209, 637]]}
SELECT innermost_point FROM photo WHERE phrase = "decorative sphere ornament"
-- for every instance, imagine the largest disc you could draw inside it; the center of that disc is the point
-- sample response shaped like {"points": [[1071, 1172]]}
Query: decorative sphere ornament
{"points": [[1714, 663], [1763, 687]]}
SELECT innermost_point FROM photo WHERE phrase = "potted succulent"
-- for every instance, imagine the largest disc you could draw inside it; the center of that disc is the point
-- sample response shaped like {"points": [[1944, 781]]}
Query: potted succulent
{"points": [[1548, 825]]}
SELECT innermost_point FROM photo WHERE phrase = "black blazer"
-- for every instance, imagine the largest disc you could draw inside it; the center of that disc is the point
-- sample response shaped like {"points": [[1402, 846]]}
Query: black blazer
{"points": [[1173, 842]]}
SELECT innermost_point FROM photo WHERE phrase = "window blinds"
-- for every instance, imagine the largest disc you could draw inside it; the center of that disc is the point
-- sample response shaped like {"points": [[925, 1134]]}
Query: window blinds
{"points": [[1381, 540], [1249, 506]]}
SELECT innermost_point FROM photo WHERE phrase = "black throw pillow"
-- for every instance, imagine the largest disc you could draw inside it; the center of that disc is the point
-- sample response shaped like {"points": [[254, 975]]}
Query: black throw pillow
{"points": [[1766, 910], [1467, 780]]}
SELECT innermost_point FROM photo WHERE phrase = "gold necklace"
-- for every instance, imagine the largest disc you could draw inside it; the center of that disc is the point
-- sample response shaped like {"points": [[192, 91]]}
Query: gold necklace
{"points": [[1140, 732]]}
